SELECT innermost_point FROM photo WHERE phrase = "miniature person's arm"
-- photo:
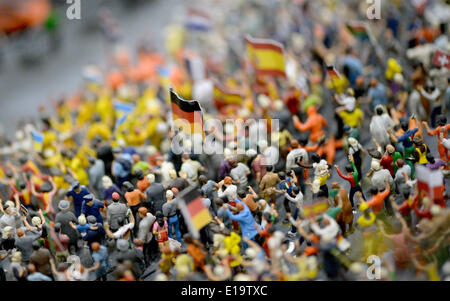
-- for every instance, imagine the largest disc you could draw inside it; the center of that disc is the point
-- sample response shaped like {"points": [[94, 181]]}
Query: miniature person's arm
{"points": [[252, 192], [27, 225], [108, 232], [94, 267], [381, 227], [348, 178], [303, 127], [430, 132], [17, 201]]}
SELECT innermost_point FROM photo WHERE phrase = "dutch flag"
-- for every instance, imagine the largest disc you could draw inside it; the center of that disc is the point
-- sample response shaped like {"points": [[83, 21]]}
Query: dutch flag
{"points": [[198, 20]]}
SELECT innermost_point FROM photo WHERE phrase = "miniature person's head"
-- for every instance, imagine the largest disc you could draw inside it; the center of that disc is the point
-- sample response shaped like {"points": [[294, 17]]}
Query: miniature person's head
{"points": [[169, 195], [107, 182], [269, 168], [379, 110], [151, 178], [282, 175], [76, 186], [16, 257], [172, 174], [294, 144], [35, 245], [228, 180], [20, 232], [7, 232], [417, 141], [315, 158], [139, 174], [95, 246], [57, 227], [36, 221], [373, 190], [128, 186], [404, 124], [400, 163], [241, 194], [390, 149], [88, 199], [240, 206], [82, 220], [267, 217], [348, 168], [202, 179], [115, 197], [142, 211], [136, 158], [296, 190]]}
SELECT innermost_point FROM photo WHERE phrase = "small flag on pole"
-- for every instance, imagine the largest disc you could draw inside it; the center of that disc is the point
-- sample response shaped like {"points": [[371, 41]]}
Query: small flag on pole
{"points": [[266, 56], [333, 73], [441, 59], [315, 209], [195, 213], [198, 20], [38, 140], [430, 182], [122, 110], [187, 114], [358, 29], [195, 67]]}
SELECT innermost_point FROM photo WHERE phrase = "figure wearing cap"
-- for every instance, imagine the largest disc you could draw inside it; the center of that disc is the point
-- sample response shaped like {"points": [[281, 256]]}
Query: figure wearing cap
{"points": [[75, 195], [92, 207]]}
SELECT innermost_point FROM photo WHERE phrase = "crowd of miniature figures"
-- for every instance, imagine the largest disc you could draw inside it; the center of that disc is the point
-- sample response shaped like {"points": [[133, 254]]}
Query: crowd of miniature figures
{"points": [[89, 192]]}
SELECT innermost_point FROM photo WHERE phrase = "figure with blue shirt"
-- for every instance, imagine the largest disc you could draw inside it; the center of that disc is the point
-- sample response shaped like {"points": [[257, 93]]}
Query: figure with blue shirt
{"points": [[75, 195], [92, 207], [246, 221]]}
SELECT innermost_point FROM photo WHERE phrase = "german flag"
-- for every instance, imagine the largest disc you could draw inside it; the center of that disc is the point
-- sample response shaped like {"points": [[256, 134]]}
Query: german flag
{"points": [[196, 215], [223, 96], [187, 115], [358, 29], [333, 73], [266, 56]]}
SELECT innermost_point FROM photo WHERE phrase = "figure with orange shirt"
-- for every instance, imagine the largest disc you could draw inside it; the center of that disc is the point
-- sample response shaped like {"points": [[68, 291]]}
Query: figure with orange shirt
{"points": [[377, 200], [442, 124], [133, 197], [314, 124]]}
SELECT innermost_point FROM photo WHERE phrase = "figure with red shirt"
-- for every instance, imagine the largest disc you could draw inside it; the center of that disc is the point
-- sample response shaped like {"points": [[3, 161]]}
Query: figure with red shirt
{"points": [[352, 177], [389, 158]]}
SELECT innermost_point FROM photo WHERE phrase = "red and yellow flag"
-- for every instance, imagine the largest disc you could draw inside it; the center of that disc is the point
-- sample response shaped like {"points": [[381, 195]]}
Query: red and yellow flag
{"points": [[266, 56], [225, 97]]}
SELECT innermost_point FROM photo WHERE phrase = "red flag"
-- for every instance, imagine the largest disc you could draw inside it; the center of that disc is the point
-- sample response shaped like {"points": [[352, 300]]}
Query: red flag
{"points": [[431, 182], [441, 59]]}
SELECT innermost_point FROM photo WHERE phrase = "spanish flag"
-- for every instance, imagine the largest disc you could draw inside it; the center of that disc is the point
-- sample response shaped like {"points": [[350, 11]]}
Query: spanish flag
{"points": [[315, 209], [333, 73], [266, 56], [187, 115], [225, 97], [195, 213]]}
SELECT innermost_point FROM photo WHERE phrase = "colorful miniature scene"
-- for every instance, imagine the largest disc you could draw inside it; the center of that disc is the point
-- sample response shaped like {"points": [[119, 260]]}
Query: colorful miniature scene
{"points": [[224, 140]]}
